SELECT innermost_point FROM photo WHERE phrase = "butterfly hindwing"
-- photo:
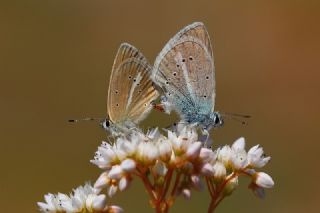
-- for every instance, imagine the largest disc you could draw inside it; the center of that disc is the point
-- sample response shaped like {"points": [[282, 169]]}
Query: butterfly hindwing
{"points": [[130, 89]]}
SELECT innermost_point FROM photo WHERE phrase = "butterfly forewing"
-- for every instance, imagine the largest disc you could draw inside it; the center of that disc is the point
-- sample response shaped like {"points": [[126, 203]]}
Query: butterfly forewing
{"points": [[130, 88], [184, 69]]}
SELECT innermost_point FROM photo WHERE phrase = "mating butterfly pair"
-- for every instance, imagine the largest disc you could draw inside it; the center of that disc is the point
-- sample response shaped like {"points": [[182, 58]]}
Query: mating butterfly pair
{"points": [[183, 73]]}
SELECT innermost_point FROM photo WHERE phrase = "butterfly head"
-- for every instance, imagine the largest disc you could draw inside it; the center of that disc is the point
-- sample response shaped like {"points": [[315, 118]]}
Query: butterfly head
{"points": [[105, 124], [216, 119]]}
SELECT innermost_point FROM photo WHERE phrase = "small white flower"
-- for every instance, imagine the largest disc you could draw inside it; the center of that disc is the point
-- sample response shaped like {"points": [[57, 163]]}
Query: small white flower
{"points": [[83, 199], [224, 155], [220, 171], [165, 150], [256, 157], [193, 150], [239, 159], [263, 180], [239, 144], [207, 170], [116, 172], [147, 153], [207, 155], [96, 202]]}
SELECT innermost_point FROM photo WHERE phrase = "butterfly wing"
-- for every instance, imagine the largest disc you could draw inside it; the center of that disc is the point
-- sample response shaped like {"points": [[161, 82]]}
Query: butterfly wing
{"points": [[130, 88], [184, 69]]}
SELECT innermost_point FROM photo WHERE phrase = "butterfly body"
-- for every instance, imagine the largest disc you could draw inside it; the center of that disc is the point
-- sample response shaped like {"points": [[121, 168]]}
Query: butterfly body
{"points": [[184, 70]]}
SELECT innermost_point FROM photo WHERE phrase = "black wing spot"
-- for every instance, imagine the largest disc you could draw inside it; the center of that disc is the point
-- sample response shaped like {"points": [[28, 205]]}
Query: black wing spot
{"points": [[183, 60], [138, 84], [190, 58], [175, 74], [204, 96], [139, 91], [178, 65], [116, 91], [167, 82], [207, 77], [117, 105], [134, 80]]}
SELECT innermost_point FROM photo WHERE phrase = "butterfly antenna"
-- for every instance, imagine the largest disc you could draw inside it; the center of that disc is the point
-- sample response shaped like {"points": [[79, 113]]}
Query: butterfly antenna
{"points": [[236, 117], [84, 119]]}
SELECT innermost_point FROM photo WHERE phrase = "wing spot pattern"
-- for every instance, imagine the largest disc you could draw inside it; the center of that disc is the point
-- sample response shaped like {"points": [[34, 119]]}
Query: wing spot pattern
{"points": [[183, 60], [129, 77], [207, 77], [190, 58], [175, 74]]}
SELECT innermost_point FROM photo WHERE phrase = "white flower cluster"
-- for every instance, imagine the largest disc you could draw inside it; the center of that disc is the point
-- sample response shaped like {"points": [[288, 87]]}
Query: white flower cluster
{"points": [[234, 161], [157, 155], [84, 199]]}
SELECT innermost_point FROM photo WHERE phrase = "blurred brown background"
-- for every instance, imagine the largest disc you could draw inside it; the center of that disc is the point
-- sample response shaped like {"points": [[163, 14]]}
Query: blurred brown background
{"points": [[55, 61]]}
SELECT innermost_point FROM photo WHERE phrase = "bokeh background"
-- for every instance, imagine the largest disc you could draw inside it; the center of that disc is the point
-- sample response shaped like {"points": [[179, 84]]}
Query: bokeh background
{"points": [[55, 62]]}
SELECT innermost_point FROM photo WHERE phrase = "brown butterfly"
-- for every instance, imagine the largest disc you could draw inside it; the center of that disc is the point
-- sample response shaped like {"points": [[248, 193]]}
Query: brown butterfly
{"points": [[130, 93]]}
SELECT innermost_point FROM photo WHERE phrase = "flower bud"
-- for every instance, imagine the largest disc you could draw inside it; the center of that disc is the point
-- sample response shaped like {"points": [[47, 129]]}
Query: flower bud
{"points": [[115, 209], [207, 169], [220, 171], [186, 193], [102, 181], [115, 172], [230, 186], [263, 180], [128, 165], [112, 190]]}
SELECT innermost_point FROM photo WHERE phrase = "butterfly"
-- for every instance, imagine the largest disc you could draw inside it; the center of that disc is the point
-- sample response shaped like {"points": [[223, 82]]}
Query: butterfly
{"points": [[130, 92], [184, 71]]}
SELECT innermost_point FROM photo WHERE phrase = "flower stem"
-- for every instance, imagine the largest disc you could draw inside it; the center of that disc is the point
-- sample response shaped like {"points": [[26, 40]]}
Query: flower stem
{"points": [[216, 198]]}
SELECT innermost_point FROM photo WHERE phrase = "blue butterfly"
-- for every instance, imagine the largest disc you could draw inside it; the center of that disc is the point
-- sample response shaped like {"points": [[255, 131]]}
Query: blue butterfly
{"points": [[184, 71]]}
